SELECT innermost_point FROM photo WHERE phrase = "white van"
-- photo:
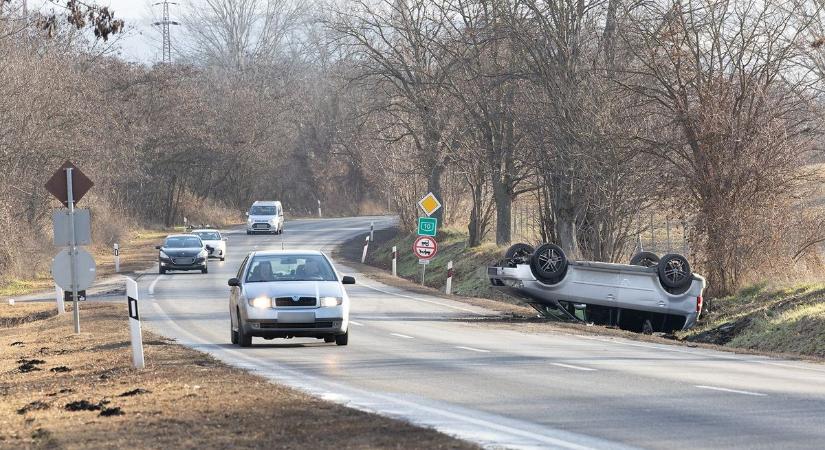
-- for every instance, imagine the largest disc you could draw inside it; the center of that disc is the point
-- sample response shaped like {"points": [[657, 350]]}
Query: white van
{"points": [[265, 217]]}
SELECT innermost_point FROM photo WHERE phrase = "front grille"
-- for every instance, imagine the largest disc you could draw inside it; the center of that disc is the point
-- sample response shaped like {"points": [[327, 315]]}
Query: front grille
{"points": [[296, 325], [261, 226], [183, 261], [288, 301]]}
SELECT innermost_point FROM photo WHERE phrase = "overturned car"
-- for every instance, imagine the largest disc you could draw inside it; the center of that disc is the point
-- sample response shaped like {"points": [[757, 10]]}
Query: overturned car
{"points": [[650, 294]]}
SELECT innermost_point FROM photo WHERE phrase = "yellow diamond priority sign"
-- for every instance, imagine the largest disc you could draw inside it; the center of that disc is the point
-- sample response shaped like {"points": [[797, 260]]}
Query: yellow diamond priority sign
{"points": [[429, 204]]}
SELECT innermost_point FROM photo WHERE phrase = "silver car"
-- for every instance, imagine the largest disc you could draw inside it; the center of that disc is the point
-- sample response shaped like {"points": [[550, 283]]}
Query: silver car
{"points": [[650, 294], [286, 294]]}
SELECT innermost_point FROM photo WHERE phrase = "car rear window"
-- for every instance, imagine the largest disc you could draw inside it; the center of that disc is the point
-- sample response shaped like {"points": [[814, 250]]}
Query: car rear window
{"points": [[209, 235], [183, 242], [289, 268]]}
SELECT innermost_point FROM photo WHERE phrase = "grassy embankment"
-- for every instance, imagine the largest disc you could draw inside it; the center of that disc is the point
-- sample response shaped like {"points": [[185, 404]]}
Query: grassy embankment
{"points": [[760, 318]]}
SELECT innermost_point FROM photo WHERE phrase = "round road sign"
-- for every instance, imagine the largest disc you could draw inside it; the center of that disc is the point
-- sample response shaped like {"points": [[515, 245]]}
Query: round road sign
{"points": [[425, 247], [62, 271]]}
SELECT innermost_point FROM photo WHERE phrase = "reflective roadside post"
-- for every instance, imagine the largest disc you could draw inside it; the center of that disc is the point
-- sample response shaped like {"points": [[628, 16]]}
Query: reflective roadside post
{"points": [[372, 231], [117, 258], [134, 324], [449, 288], [366, 246], [72, 249], [319, 209], [58, 297], [394, 261]]}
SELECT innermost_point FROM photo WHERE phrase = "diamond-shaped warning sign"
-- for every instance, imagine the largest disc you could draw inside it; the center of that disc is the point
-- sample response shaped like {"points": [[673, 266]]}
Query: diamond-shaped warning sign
{"points": [[58, 187], [429, 204]]}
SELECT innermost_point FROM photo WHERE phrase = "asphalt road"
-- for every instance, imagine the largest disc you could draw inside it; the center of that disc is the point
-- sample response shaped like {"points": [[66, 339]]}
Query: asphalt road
{"points": [[408, 358]]}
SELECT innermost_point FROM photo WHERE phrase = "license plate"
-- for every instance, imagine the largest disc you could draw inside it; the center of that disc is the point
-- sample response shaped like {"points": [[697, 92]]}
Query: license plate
{"points": [[296, 317]]}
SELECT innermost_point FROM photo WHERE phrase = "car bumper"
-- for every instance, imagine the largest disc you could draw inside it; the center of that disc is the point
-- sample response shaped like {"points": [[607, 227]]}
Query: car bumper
{"points": [[298, 322], [261, 228], [197, 264]]}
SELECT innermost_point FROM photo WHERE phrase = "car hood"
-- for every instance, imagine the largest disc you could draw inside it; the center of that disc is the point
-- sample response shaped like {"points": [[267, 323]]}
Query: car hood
{"points": [[290, 288], [261, 218], [177, 252]]}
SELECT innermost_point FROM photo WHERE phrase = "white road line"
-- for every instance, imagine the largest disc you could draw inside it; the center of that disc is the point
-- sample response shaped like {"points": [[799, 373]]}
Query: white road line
{"points": [[402, 336], [356, 323], [419, 299], [569, 366], [734, 391], [473, 349], [152, 286]]}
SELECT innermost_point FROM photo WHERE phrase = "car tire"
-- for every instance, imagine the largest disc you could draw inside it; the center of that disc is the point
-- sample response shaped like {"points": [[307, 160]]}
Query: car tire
{"points": [[161, 270], [205, 270], [329, 339], [644, 259], [548, 263], [244, 340], [519, 253], [342, 339], [223, 258], [674, 273], [248, 232], [233, 335]]}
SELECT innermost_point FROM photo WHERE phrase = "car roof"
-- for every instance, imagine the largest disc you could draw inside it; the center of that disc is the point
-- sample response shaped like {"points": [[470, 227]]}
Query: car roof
{"points": [[287, 253], [182, 235], [266, 203], [210, 230]]}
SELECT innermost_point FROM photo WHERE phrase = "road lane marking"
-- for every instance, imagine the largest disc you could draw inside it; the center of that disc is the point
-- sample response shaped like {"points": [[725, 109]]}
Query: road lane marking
{"points": [[569, 366], [473, 349], [152, 286], [734, 391], [402, 336], [356, 323], [419, 299]]}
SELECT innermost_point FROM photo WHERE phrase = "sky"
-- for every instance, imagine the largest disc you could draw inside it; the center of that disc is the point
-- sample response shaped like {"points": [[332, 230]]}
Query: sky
{"points": [[141, 42]]}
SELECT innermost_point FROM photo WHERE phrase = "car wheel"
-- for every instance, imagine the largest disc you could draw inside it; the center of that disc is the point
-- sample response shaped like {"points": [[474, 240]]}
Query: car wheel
{"points": [[161, 270], [244, 340], [645, 259], [205, 270], [674, 272], [519, 253], [233, 334], [342, 339], [248, 232], [223, 258], [548, 263], [329, 339]]}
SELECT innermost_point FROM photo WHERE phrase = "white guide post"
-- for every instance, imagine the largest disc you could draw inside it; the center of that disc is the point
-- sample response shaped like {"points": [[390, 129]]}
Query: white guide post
{"points": [[366, 246], [117, 258], [58, 297], [394, 261], [134, 324], [449, 288]]}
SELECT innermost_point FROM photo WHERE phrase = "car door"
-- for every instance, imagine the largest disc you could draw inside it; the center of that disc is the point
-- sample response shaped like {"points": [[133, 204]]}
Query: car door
{"points": [[236, 292]]}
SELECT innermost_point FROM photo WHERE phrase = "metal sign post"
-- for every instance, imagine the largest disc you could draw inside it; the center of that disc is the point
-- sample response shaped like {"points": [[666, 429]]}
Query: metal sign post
{"points": [[72, 249]]}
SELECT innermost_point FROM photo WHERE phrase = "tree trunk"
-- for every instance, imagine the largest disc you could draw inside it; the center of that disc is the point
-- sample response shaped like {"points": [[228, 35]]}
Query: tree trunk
{"points": [[504, 211]]}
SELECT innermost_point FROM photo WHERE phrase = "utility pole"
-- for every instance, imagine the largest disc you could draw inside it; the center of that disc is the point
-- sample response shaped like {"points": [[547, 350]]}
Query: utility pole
{"points": [[164, 26]]}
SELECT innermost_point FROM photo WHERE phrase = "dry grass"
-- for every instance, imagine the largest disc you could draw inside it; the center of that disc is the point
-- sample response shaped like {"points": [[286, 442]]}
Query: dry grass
{"points": [[183, 399]]}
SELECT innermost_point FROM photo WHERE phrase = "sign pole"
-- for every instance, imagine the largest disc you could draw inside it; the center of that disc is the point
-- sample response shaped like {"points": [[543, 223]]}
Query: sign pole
{"points": [[72, 250], [423, 271]]}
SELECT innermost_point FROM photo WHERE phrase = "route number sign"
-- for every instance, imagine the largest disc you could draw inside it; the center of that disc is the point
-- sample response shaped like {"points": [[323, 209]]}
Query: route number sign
{"points": [[429, 204], [425, 247], [427, 226]]}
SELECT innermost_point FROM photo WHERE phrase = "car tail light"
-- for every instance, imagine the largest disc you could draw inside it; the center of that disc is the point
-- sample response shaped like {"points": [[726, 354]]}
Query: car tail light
{"points": [[699, 304]]}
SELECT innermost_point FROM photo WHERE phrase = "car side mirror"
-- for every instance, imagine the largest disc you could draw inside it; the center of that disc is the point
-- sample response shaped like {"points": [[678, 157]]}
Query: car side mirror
{"points": [[348, 280], [234, 282], [157, 247]]}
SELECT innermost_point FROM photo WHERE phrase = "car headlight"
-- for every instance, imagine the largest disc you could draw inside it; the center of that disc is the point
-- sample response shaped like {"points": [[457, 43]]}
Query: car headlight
{"points": [[261, 302], [249, 220], [271, 221], [164, 255], [331, 301]]}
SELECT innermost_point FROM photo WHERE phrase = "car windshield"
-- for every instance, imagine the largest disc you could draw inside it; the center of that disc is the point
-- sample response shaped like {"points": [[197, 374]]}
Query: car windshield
{"points": [[209, 235], [289, 268], [263, 211], [183, 242]]}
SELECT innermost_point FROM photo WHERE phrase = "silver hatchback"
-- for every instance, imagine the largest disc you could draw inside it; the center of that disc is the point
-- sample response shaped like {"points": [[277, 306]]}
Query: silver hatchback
{"points": [[286, 294]]}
